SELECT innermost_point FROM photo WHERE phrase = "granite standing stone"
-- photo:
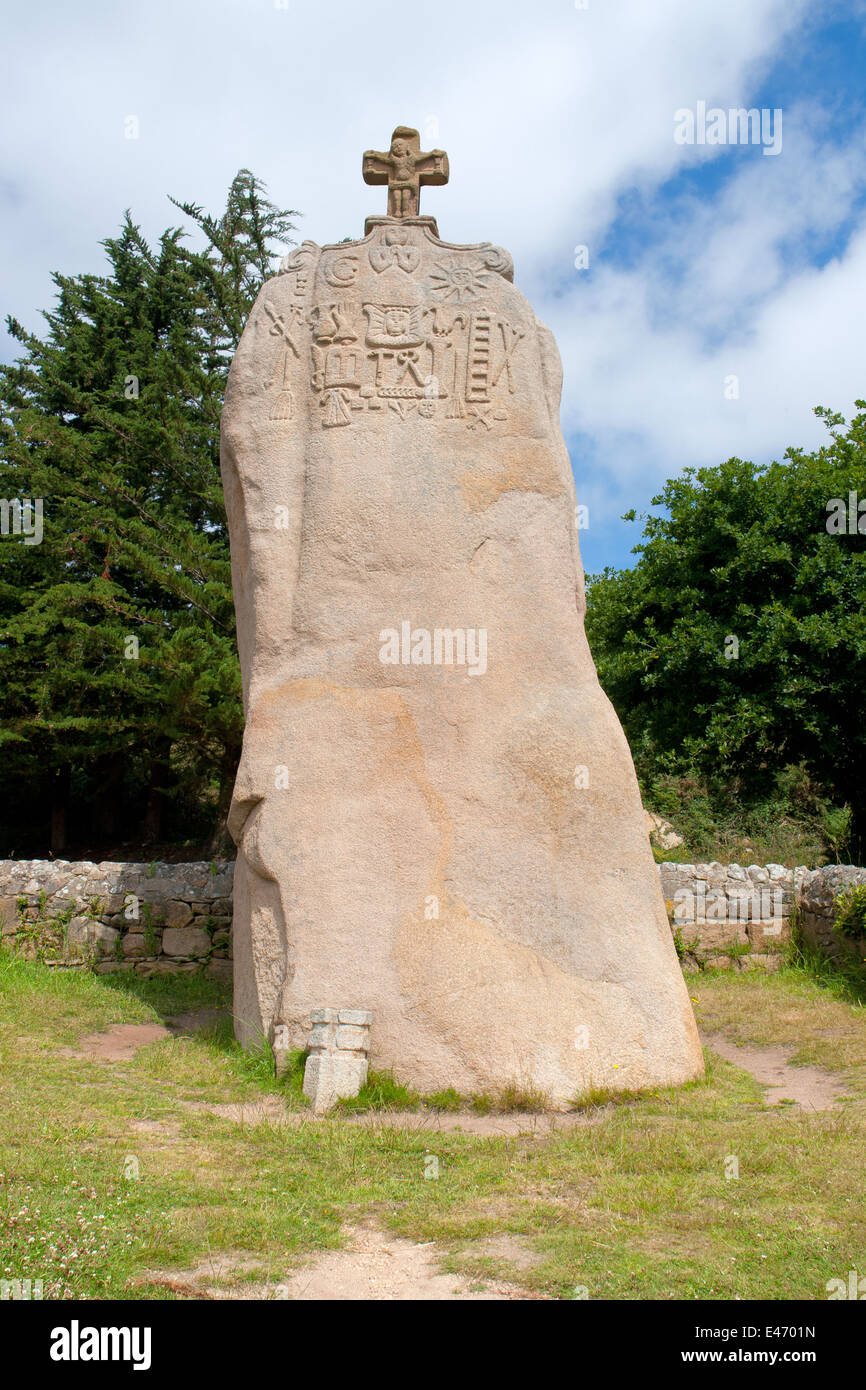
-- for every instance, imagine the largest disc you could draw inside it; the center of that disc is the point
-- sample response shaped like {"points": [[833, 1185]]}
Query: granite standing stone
{"points": [[436, 811]]}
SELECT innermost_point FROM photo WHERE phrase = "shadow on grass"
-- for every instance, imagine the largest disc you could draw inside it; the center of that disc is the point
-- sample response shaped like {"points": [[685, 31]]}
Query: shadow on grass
{"points": [[200, 1009], [845, 979], [173, 994]]}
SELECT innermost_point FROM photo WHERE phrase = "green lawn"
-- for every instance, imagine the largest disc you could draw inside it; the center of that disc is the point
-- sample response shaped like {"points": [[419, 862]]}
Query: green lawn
{"points": [[633, 1202]]}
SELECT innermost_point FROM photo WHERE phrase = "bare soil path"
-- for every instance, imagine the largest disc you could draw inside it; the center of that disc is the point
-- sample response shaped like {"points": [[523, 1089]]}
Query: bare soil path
{"points": [[383, 1268], [809, 1087]]}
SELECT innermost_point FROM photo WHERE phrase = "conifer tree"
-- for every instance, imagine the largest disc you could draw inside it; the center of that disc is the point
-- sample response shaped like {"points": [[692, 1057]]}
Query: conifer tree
{"points": [[117, 646]]}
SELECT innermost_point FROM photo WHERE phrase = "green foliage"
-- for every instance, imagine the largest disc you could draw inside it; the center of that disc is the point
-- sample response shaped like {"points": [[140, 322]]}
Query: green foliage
{"points": [[737, 950], [448, 1100], [851, 913], [844, 977], [380, 1092], [42, 937], [743, 551], [520, 1098], [117, 641], [791, 823], [836, 825], [151, 939], [599, 1098], [172, 993], [291, 1078]]}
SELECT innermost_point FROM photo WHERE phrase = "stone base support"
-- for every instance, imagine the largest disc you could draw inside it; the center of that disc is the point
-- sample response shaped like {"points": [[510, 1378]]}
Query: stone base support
{"points": [[337, 1063]]}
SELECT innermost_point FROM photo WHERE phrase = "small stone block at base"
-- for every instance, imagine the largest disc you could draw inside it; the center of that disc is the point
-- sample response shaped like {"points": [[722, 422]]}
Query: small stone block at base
{"points": [[338, 1043], [330, 1075]]}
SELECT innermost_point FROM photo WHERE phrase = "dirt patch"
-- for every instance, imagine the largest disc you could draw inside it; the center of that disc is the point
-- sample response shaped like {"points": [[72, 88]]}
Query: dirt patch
{"points": [[374, 1267], [809, 1087], [383, 1268], [206, 1279], [119, 1043], [168, 1281]]}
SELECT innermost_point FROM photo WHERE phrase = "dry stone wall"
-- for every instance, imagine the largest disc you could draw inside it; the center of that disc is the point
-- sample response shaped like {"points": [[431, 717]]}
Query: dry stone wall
{"points": [[725, 916], [143, 917], [165, 917], [818, 889]]}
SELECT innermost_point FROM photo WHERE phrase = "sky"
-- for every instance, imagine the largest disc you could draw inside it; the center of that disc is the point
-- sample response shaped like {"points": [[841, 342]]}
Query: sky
{"points": [[705, 296]]}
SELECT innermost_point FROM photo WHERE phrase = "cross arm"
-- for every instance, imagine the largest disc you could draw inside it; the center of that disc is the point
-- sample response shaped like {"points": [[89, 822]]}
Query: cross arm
{"points": [[376, 167], [432, 168]]}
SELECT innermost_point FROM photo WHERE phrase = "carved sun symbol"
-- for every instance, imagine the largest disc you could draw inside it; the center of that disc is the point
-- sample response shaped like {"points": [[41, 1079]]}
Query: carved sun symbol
{"points": [[459, 279]]}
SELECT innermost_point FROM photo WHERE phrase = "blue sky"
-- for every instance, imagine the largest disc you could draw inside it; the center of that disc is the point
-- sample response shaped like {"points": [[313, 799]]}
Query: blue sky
{"points": [[706, 263]]}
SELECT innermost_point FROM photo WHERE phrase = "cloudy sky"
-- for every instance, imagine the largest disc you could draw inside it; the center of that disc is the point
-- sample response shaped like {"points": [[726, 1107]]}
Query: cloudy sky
{"points": [[724, 292]]}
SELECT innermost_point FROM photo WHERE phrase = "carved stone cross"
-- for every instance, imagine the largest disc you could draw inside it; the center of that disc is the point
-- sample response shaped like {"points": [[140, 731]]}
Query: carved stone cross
{"points": [[404, 169]]}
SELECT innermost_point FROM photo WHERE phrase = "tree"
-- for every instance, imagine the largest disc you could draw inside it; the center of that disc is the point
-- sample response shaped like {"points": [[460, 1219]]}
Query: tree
{"points": [[736, 646], [117, 644]]}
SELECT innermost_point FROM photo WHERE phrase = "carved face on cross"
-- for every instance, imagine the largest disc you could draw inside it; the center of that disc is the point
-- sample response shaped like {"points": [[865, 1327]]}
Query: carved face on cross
{"points": [[404, 168]]}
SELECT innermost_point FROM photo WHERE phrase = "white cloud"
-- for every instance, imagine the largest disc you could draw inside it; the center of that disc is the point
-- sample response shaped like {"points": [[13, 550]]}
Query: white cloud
{"points": [[728, 290], [547, 112], [550, 116]]}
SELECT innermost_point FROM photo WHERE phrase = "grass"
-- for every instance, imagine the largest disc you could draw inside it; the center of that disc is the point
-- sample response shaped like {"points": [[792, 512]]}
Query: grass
{"points": [[381, 1092], [844, 976], [173, 993], [794, 824], [117, 1180], [787, 842]]}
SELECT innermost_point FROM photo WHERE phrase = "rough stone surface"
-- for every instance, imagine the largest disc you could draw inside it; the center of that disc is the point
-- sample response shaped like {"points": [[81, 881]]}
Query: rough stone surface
{"points": [[661, 832], [338, 1043], [718, 908], [769, 936], [177, 914], [84, 931], [79, 930], [818, 890], [81, 910], [185, 941], [134, 944], [328, 1076], [459, 846], [103, 888], [757, 961]]}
